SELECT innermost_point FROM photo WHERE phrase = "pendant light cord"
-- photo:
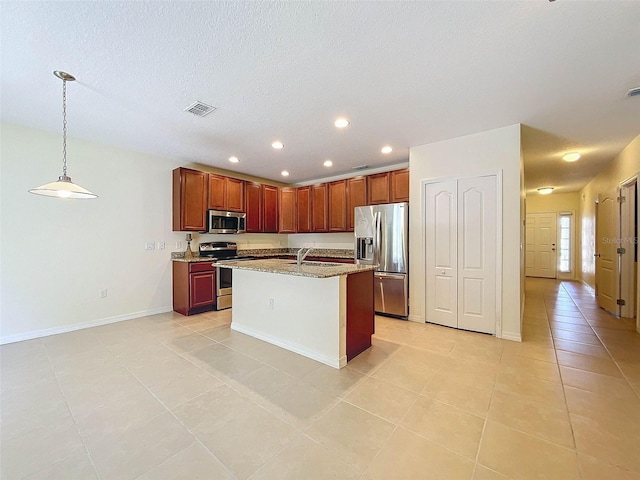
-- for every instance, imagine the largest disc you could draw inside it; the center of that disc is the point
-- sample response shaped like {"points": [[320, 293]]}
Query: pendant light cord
{"points": [[64, 127]]}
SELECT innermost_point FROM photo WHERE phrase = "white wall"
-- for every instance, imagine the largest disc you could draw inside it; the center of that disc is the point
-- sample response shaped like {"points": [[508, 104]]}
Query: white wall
{"points": [[56, 255], [479, 154]]}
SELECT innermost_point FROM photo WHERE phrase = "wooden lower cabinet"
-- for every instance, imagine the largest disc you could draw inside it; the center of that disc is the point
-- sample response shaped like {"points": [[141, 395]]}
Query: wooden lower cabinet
{"points": [[360, 313], [194, 287]]}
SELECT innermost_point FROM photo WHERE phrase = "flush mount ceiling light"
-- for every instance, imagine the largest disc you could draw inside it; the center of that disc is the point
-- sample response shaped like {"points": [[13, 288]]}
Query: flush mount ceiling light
{"points": [[386, 149], [633, 92], [545, 190], [328, 163], [571, 157], [284, 173], [233, 159], [277, 145], [341, 123], [63, 187]]}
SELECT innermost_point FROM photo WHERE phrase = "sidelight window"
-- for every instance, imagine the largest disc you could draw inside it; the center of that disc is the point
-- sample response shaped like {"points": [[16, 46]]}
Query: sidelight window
{"points": [[565, 242]]}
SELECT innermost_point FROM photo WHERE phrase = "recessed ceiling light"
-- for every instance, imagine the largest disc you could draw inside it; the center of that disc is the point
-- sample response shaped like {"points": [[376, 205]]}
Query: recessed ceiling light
{"points": [[386, 149], [277, 145], [328, 163], [233, 159], [341, 123], [545, 190], [284, 173], [571, 157]]}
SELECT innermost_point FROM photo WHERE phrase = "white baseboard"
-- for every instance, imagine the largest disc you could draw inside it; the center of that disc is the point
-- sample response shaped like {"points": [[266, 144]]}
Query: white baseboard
{"points": [[79, 326], [415, 318], [511, 336], [320, 357]]}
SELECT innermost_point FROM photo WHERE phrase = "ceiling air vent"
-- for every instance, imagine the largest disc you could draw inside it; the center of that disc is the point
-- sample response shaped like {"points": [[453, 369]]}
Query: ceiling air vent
{"points": [[200, 109], [633, 92], [361, 167]]}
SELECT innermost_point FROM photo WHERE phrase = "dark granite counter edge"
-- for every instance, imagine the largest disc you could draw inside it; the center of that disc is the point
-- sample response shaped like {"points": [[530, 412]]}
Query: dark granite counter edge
{"points": [[273, 252]]}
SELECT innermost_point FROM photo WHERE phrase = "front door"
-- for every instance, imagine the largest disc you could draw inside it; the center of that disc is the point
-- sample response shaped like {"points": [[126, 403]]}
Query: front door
{"points": [[607, 236], [541, 253]]}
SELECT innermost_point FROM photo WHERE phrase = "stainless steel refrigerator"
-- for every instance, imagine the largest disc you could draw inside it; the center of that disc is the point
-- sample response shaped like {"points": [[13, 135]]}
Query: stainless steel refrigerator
{"points": [[382, 238]]}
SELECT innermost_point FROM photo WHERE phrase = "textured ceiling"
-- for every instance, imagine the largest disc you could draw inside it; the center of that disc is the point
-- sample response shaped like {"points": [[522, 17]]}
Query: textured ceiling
{"points": [[404, 73]]}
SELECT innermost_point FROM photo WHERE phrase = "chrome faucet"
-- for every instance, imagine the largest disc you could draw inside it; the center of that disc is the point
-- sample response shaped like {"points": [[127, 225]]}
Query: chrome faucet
{"points": [[302, 256]]}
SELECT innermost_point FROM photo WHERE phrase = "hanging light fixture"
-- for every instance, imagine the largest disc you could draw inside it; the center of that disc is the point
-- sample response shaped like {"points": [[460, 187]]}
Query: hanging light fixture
{"points": [[64, 187]]}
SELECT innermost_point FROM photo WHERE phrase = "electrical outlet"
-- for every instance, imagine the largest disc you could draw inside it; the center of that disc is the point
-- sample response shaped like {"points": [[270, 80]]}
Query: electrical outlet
{"points": [[179, 245], [149, 246], [271, 303], [103, 293], [160, 245]]}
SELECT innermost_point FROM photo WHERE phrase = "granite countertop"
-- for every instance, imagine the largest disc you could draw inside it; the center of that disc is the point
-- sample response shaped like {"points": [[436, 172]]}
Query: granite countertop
{"points": [[289, 267], [271, 252]]}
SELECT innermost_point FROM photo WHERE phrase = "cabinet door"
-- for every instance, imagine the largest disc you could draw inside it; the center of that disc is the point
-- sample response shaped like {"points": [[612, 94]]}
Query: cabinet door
{"points": [[253, 204], [270, 205], [356, 197], [217, 192], [399, 180], [378, 188], [338, 206], [319, 208], [234, 194], [190, 192], [303, 195], [202, 289], [287, 223]]}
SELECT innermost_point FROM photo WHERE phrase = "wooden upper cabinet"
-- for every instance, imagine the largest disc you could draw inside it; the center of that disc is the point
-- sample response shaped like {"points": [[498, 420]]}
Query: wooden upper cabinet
{"points": [[190, 192], [356, 197], [287, 214], [338, 206], [319, 208], [378, 188], [254, 207], [226, 193], [270, 205], [303, 197], [399, 181], [235, 194]]}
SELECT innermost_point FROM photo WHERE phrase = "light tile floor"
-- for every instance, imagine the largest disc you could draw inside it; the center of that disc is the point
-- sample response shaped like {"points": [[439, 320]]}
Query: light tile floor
{"points": [[172, 397]]}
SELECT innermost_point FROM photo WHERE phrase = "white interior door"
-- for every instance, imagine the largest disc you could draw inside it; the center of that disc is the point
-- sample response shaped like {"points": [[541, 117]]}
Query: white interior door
{"points": [[477, 254], [541, 253], [441, 252], [460, 253], [607, 265]]}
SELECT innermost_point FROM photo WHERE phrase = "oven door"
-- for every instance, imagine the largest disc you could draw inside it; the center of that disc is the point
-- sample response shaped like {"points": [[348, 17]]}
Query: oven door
{"points": [[223, 281]]}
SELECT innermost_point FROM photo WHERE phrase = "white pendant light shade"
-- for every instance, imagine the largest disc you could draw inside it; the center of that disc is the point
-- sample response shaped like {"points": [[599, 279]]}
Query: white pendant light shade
{"points": [[64, 187]]}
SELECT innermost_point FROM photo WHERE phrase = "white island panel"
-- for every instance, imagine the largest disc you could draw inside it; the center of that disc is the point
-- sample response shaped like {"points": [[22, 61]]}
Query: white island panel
{"points": [[302, 314]]}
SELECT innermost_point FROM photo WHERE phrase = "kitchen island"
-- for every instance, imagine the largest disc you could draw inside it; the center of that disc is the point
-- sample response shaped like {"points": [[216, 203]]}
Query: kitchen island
{"points": [[322, 310]]}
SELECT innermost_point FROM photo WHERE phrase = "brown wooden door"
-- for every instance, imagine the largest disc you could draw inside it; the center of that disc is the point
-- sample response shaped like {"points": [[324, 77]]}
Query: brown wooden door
{"points": [[338, 206], [319, 208], [287, 223], [378, 188], [356, 197], [190, 198], [254, 206], [270, 205], [303, 195], [217, 192], [234, 195], [399, 181]]}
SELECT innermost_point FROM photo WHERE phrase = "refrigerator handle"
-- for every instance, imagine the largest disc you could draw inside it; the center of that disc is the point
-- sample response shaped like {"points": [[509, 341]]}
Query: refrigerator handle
{"points": [[377, 239]]}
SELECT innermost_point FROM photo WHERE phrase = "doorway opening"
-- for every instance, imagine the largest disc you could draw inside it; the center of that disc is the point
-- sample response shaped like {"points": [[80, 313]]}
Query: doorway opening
{"points": [[628, 245]]}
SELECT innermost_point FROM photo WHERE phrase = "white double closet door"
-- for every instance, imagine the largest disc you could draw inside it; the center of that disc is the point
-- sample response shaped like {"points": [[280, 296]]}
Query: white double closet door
{"points": [[460, 241]]}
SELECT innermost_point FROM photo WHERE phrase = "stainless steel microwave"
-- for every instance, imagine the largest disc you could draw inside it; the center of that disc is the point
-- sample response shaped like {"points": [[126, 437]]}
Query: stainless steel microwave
{"points": [[227, 222]]}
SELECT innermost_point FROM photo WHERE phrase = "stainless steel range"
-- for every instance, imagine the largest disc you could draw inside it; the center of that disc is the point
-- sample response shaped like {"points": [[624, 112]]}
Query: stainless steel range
{"points": [[222, 251]]}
